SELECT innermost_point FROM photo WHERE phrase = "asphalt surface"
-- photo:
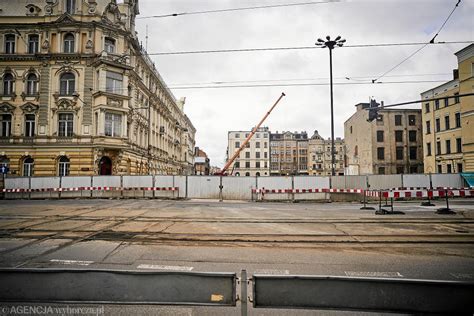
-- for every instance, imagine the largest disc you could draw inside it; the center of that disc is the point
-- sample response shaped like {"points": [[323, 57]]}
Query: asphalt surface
{"points": [[267, 238]]}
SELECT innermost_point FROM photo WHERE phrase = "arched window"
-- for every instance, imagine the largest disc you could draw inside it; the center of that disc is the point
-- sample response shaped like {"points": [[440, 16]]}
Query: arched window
{"points": [[63, 166], [109, 45], [28, 165], [67, 84], [10, 44], [33, 44], [31, 84], [8, 84], [258, 174], [69, 43], [247, 174]]}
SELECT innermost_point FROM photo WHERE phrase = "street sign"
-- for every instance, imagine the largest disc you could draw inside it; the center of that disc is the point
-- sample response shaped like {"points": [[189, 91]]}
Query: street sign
{"points": [[4, 169]]}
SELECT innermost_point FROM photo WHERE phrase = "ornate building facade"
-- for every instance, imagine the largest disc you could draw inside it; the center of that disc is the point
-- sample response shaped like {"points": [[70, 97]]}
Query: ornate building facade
{"points": [[80, 96]]}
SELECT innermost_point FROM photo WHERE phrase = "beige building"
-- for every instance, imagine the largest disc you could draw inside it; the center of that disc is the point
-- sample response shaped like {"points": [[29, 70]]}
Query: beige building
{"points": [[319, 155], [254, 158], [80, 96], [448, 136], [391, 144], [289, 153]]}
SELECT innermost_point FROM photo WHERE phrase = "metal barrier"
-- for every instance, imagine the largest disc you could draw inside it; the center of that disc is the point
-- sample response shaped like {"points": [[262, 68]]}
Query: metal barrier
{"points": [[362, 294], [220, 289]]}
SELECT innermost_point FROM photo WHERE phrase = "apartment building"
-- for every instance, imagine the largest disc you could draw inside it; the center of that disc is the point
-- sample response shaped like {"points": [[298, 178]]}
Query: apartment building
{"points": [[448, 131], [254, 158], [202, 165], [80, 96], [289, 153], [391, 144], [319, 155]]}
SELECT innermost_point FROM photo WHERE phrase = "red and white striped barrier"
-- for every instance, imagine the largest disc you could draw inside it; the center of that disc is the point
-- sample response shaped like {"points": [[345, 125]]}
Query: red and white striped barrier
{"points": [[425, 193], [91, 189], [263, 190]]}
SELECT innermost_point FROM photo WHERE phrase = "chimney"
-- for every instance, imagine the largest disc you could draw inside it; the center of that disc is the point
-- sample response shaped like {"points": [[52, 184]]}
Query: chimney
{"points": [[455, 74]]}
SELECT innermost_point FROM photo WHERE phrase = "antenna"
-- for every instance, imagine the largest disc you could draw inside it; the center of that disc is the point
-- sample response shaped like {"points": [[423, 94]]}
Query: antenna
{"points": [[146, 39]]}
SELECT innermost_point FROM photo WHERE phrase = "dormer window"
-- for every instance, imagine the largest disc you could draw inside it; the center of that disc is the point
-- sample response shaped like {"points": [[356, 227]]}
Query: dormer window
{"points": [[70, 6]]}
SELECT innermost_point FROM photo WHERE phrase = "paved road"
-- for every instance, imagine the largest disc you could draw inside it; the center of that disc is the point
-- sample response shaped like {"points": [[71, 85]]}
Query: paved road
{"points": [[273, 238]]}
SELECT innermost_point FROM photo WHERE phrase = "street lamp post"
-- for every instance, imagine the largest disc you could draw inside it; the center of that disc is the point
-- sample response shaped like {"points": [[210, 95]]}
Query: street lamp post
{"points": [[331, 44]]}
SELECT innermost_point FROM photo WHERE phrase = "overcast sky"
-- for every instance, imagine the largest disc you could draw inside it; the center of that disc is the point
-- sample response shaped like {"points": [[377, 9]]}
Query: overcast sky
{"points": [[214, 112]]}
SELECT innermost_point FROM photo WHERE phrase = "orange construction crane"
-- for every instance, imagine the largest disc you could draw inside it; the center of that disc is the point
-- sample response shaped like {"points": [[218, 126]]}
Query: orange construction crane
{"points": [[236, 154]]}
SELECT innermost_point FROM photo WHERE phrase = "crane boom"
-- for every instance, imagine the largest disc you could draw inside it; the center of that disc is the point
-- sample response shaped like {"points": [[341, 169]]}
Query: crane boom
{"points": [[236, 154]]}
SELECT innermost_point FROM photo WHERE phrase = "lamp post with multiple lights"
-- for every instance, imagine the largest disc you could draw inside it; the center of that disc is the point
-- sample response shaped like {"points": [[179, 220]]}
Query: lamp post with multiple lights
{"points": [[331, 44]]}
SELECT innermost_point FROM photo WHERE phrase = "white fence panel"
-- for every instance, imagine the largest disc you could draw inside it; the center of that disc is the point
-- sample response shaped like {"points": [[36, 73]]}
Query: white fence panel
{"points": [[202, 187], [311, 182], [453, 180], [238, 188], [355, 182], [76, 182], [181, 182], [44, 183], [167, 182], [416, 180], [137, 182], [381, 182], [275, 183], [106, 181], [338, 182], [17, 183]]}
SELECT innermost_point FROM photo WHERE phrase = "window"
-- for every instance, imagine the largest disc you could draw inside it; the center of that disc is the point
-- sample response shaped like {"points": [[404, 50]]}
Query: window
{"points": [[265, 155], [8, 84], [6, 124], [446, 102], [70, 6], [459, 167], [31, 84], [440, 169], [63, 166], [257, 144], [437, 104], [400, 169], [113, 125], [428, 149], [380, 153], [247, 164], [412, 136], [265, 145], [114, 82], [28, 165], [9, 44], [380, 119], [448, 146], [237, 164], [68, 43], [380, 136], [438, 148], [428, 127], [399, 153], [247, 154], [399, 136], [411, 120], [33, 44], [448, 168], [237, 144], [237, 135], [398, 120], [456, 97], [446, 122], [109, 45], [413, 169], [66, 122], [257, 154], [257, 164], [67, 84], [413, 152], [427, 108], [247, 174], [458, 145], [457, 117], [438, 125], [381, 170], [257, 135], [30, 125], [350, 129]]}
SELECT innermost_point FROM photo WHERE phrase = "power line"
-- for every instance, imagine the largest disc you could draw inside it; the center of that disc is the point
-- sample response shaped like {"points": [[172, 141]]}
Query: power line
{"points": [[237, 9], [238, 50], [301, 84], [432, 41]]}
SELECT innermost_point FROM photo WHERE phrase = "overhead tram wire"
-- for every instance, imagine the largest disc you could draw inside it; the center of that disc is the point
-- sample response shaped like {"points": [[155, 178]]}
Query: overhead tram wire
{"points": [[237, 9], [432, 41], [239, 50]]}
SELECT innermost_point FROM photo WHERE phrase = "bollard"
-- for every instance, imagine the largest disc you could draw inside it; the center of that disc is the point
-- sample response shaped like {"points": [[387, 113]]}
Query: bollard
{"points": [[445, 210]]}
